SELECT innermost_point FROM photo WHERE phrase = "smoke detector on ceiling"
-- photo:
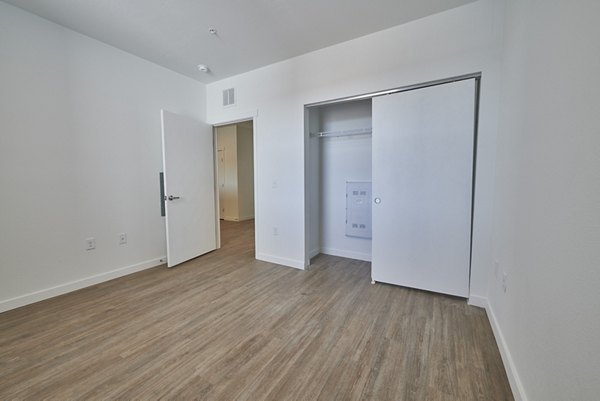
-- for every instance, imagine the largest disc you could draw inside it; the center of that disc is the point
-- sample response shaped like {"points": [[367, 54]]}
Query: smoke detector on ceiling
{"points": [[202, 68]]}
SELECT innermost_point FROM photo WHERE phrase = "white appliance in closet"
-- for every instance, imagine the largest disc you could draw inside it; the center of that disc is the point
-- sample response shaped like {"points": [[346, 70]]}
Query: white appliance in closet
{"points": [[423, 145]]}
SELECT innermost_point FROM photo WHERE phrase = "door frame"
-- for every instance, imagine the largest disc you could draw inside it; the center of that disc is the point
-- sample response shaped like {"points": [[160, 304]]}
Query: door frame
{"points": [[369, 95], [250, 116], [219, 171]]}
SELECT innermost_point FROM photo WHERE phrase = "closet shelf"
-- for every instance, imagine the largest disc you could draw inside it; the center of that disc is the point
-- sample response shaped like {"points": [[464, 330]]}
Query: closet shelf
{"points": [[333, 134]]}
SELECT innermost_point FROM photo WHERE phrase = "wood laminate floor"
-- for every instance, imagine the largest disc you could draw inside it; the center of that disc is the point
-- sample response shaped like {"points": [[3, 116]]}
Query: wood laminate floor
{"points": [[228, 327]]}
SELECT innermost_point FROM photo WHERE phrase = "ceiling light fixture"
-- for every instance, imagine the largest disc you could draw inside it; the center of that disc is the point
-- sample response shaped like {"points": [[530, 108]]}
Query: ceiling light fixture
{"points": [[202, 68]]}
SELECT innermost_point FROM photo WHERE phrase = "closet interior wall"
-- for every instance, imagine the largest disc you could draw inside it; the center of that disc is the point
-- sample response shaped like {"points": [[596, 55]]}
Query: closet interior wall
{"points": [[332, 161]]}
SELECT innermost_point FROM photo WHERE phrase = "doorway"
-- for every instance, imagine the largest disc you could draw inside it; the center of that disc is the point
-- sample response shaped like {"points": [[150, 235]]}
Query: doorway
{"points": [[234, 151]]}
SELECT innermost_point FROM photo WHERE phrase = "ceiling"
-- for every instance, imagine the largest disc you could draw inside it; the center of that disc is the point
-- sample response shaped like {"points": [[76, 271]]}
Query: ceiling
{"points": [[250, 33]]}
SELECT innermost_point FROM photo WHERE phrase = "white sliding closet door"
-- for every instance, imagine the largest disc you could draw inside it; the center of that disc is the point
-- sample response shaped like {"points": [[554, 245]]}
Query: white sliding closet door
{"points": [[422, 186]]}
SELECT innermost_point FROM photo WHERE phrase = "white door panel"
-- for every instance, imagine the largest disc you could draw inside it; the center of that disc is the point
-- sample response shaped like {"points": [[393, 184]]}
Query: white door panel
{"points": [[422, 175], [188, 165]]}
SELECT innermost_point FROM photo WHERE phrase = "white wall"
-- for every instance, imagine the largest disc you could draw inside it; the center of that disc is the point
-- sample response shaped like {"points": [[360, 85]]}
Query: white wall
{"points": [[79, 157], [547, 206], [342, 159], [463, 40]]}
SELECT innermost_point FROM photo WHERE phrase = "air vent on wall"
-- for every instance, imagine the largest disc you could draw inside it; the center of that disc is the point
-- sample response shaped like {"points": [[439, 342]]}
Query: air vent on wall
{"points": [[228, 97]]}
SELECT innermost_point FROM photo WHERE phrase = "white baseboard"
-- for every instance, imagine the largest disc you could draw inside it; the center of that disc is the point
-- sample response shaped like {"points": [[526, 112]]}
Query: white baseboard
{"points": [[313, 252], [236, 219], [511, 370], [298, 264], [477, 300], [347, 254], [51, 292]]}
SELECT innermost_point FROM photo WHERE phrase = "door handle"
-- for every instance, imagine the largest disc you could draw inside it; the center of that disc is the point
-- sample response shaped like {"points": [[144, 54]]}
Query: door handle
{"points": [[377, 200], [171, 197]]}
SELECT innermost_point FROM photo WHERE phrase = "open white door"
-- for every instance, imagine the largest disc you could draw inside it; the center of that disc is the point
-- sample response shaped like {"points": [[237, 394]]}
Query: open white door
{"points": [[422, 187], [188, 165]]}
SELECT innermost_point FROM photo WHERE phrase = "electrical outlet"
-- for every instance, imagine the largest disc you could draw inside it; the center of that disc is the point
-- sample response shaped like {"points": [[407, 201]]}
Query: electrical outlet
{"points": [[496, 268], [90, 243], [504, 281], [275, 231], [122, 238]]}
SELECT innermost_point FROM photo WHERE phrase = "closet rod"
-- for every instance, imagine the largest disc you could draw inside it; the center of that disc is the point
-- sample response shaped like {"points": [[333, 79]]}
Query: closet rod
{"points": [[333, 134]]}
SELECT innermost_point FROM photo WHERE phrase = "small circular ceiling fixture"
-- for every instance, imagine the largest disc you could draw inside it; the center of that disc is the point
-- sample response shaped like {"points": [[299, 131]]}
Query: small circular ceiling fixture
{"points": [[202, 68], [212, 31]]}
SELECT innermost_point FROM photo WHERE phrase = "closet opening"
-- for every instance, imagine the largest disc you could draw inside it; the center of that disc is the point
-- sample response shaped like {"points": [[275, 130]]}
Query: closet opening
{"points": [[390, 179], [339, 179]]}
